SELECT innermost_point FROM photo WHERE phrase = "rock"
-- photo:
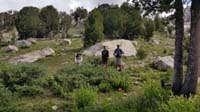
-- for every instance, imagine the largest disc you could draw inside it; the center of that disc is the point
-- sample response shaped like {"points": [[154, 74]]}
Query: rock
{"points": [[33, 56], [66, 42], [32, 40], [126, 45], [156, 42], [9, 35], [11, 49], [164, 63], [23, 44], [54, 107]]}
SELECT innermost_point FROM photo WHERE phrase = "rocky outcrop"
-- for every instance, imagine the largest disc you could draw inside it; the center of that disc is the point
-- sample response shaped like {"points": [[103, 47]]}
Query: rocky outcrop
{"points": [[164, 63], [126, 45], [33, 56], [10, 49], [8, 35], [23, 44]]}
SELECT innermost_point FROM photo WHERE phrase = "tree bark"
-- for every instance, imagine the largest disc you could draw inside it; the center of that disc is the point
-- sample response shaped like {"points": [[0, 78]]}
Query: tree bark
{"points": [[191, 79], [178, 59]]}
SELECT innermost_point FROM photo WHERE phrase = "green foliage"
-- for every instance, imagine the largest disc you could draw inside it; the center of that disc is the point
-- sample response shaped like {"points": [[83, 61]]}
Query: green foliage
{"points": [[84, 97], [28, 22], [141, 54], [32, 90], [105, 87], [65, 23], [22, 78], [80, 13], [114, 23], [149, 28], [152, 97], [181, 104], [50, 19], [94, 28]]}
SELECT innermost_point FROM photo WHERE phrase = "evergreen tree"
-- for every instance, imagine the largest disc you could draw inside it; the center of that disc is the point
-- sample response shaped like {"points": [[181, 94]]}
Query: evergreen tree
{"points": [[94, 28]]}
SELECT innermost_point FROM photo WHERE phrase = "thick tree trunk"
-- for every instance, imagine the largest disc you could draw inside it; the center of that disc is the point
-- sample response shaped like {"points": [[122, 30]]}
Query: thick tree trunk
{"points": [[191, 79], [178, 63]]}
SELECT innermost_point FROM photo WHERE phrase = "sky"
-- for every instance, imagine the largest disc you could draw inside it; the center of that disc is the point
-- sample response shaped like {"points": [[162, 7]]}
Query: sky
{"points": [[61, 5]]}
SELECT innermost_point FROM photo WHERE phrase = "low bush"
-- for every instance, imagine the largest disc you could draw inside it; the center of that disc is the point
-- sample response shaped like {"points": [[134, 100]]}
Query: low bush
{"points": [[105, 87], [152, 97], [84, 97], [22, 78], [181, 104], [141, 54]]}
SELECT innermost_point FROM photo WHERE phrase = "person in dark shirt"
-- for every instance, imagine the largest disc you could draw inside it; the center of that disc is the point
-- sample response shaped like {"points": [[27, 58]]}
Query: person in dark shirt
{"points": [[118, 53], [105, 56]]}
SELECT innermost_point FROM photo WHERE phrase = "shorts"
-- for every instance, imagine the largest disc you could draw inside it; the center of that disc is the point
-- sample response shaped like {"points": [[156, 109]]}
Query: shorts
{"points": [[105, 60], [118, 61]]}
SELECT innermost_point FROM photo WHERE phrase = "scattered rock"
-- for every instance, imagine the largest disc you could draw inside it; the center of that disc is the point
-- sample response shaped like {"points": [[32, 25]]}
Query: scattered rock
{"points": [[164, 63], [33, 56], [23, 44], [32, 40], [54, 107], [11, 49], [66, 42], [126, 45], [156, 42]]}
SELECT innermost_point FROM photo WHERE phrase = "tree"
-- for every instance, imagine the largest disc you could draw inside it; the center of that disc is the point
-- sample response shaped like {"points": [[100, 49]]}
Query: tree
{"points": [[191, 79], [65, 23], [149, 27], [50, 19], [178, 63], [80, 13], [28, 22], [114, 23], [94, 28]]}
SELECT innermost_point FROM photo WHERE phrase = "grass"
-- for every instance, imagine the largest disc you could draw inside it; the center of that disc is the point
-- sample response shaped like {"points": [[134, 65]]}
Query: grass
{"points": [[65, 56]]}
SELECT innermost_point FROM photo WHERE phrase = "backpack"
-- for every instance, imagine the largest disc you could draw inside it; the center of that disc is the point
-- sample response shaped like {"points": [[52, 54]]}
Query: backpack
{"points": [[118, 53]]}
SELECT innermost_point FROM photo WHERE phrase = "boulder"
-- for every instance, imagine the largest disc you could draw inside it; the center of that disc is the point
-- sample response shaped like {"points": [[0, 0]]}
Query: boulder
{"points": [[32, 40], [11, 49], [23, 44], [126, 45], [156, 42], [164, 63], [32, 56], [9, 35], [66, 42]]}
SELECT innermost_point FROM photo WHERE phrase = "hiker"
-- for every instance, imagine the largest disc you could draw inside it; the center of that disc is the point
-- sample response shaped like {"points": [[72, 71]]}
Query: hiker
{"points": [[118, 53], [105, 56], [78, 58]]}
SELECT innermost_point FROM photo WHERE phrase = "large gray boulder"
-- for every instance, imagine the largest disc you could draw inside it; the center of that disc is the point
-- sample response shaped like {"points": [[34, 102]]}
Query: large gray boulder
{"points": [[33, 56], [126, 45], [32, 40], [23, 43], [66, 42], [164, 63], [9, 35]]}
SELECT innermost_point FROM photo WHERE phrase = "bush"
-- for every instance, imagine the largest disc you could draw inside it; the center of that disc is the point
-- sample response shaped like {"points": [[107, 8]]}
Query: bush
{"points": [[149, 27], [84, 97], [181, 104], [141, 54], [105, 87], [152, 97], [29, 90], [19, 77]]}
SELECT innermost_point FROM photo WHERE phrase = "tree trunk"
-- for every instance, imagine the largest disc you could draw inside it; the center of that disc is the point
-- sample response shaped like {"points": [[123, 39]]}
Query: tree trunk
{"points": [[178, 59], [191, 79]]}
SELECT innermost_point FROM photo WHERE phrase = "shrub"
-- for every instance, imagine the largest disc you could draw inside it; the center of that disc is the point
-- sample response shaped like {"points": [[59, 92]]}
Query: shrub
{"points": [[152, 97], [84, 97], [29, 90], [181, 104], [141, 54], [21, 76], [105, 87]]}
